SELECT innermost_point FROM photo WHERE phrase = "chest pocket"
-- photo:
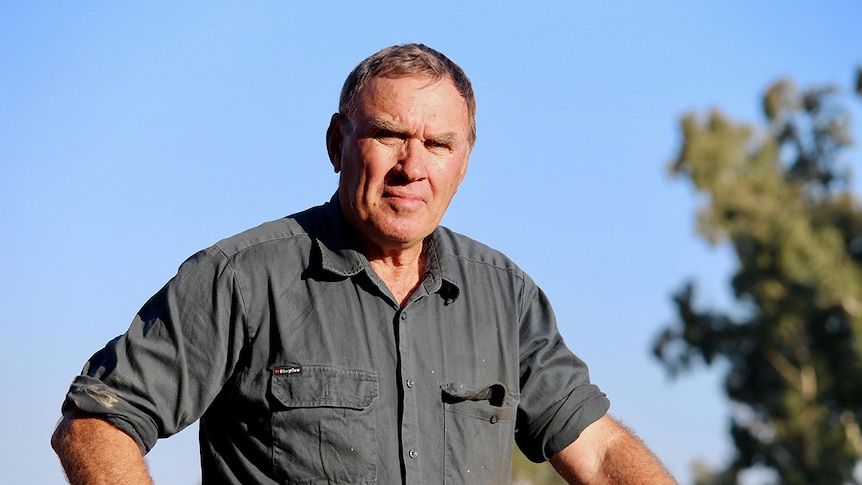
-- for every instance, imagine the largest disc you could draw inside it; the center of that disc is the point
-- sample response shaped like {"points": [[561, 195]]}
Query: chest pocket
{"points": [[479, 433], [323, 425]]}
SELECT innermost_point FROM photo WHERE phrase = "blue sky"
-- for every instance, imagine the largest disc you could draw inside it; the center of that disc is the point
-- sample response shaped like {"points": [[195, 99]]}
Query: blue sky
{"points": [[134, 133]]}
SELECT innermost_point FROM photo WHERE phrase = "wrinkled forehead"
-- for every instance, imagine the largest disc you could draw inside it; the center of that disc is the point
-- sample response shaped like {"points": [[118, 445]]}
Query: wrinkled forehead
{"points": [[414, 98], [435, 95], [420, 85]]}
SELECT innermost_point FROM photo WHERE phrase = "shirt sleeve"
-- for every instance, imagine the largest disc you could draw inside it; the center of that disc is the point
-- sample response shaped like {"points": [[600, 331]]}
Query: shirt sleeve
{"points": [[178, 353], [558, 401]]}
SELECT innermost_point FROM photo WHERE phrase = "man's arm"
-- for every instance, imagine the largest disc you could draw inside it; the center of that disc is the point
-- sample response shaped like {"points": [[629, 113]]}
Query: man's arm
{"points": [[607, 453], [94, 452]]}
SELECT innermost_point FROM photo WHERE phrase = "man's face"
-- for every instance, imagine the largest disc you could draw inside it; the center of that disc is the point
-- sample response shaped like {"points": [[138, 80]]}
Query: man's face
{"points": [[401, 156]]}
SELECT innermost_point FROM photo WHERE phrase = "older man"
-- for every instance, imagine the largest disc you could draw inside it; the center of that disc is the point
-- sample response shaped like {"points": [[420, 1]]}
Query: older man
{"points": [[357, 341]]}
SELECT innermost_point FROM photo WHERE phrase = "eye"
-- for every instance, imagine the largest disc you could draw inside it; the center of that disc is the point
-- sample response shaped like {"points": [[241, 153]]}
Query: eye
{"points": [[389, 137], [437, 145]]}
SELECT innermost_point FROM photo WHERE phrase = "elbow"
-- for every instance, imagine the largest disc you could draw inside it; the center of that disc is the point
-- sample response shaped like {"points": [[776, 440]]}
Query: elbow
{"points": [[64, 433], [60, 435]]}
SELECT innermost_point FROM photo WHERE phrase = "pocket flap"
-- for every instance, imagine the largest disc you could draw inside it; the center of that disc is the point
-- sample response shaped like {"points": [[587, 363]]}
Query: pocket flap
{"points": [[323, 386]]}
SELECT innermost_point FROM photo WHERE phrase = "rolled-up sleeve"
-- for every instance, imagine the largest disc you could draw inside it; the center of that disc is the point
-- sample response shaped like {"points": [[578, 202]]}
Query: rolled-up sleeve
{"points": [[558, 401], [180, 350]]}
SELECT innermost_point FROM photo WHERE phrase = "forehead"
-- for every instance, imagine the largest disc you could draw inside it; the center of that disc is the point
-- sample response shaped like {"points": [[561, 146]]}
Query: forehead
{"points": [[413, 96]]}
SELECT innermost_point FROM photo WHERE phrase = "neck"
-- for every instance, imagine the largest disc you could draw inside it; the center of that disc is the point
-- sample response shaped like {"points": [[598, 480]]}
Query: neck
{"points": [[401, 272]]}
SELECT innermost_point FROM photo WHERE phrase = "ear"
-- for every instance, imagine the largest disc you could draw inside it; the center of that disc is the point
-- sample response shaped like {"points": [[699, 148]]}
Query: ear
{"points": [[334, 137]]}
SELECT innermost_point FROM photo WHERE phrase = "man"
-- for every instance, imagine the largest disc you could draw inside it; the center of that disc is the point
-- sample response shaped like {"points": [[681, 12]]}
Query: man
{"points": [[358, 341]]}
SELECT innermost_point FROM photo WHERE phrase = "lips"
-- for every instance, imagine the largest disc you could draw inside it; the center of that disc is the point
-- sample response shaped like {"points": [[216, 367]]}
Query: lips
{"points": [[403, 195], [403, 200]]}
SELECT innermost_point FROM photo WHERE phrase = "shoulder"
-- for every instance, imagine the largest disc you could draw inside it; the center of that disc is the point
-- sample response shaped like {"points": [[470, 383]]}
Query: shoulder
{"points": [[285, 240], [294, 229], [471, 255]]}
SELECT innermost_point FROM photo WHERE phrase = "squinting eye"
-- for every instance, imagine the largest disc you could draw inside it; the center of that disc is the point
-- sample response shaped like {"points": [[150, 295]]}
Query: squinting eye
{"points": [[389, 138]]}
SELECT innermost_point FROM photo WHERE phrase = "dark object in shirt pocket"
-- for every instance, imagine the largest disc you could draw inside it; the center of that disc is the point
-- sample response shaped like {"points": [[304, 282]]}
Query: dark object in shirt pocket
{"points": [[324, 424], [479, 432], [453, 393]]}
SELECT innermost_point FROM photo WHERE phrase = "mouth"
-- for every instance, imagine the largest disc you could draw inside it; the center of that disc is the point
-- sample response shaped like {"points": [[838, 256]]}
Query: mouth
{"points": [[403, 199]]}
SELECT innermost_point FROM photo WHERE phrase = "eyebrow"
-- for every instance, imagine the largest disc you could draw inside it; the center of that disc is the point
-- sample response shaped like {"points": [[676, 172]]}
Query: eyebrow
{"points": [[377, 124]]}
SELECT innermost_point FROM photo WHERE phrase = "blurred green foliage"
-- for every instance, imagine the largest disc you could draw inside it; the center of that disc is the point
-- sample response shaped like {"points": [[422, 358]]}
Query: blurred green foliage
{"points": [[778, 193]]}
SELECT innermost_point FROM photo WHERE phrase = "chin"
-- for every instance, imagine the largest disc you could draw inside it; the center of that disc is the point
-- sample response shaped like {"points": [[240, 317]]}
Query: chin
{"points": [[401, 229], [402, 236]]}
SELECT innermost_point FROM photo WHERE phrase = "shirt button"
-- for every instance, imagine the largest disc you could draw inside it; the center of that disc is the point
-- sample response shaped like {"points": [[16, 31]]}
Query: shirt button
{"points": [[413, 453], [494, 419], [404, 316], [410, 383]]}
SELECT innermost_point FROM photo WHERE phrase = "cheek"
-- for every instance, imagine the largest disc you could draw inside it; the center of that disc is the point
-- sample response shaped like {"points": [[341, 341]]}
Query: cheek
{"points": [[353, 164], [374, 163], [363, 173], [457, 172]]}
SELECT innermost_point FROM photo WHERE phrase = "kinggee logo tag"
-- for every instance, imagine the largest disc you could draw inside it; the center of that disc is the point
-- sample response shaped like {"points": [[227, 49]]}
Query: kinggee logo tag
{"points": [[294, 369]]}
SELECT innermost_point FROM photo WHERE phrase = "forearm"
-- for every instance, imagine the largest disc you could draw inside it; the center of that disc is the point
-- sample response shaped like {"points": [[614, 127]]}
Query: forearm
{"points": [[94, 452], [608, 454]]}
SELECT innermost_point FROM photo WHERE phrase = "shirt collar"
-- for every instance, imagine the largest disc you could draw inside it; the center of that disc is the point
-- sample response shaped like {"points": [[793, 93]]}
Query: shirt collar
{"points": [[439, 277], [338, 249], [337, 244]]}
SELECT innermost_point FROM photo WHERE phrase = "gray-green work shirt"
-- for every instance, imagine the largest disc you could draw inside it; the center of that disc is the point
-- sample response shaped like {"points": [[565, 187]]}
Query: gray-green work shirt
{"points": [[303, 369]]}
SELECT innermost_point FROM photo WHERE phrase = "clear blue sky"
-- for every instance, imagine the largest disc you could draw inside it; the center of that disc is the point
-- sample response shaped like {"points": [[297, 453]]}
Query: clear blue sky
{"points": [[134, 133]]}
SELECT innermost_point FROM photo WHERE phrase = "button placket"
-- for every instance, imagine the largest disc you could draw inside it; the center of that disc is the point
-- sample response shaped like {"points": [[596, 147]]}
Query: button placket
{"points": [[410, 432]]}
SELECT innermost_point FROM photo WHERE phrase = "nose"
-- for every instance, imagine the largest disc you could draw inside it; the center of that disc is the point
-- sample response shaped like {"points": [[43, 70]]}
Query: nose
{"points": [[412, 161]]}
